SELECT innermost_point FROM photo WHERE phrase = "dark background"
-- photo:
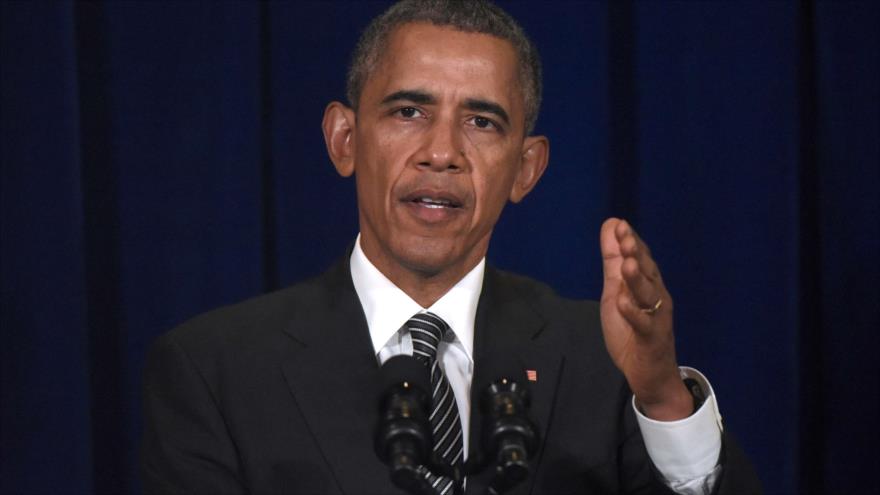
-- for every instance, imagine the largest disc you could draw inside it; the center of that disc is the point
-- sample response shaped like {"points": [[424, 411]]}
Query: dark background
{"points": [[162, 158]]}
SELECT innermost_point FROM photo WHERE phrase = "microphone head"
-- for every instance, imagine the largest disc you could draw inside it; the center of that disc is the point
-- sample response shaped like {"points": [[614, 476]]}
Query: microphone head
{"points": [[403, 435], [503, 366], [502, 372], [403, 369], [509, 437]]}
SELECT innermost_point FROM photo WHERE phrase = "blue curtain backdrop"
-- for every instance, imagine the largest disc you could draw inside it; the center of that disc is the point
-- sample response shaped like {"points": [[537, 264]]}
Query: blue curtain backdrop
{"points": [[162, 158]]}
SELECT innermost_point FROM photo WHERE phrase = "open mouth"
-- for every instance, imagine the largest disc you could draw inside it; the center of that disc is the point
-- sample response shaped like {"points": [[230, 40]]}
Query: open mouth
{"points": [[429, 202], [434, 207]]}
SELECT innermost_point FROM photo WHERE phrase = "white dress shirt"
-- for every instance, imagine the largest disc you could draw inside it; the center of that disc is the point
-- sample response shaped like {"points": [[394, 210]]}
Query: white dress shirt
{"points": [[685, 452]]}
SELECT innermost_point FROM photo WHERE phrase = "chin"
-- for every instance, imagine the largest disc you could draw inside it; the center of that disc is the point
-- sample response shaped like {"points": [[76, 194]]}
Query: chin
{"points": [[426, 257]]}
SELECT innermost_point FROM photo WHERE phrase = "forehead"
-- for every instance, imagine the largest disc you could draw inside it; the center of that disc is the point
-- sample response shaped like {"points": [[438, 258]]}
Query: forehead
{"points": [[444, 60]]}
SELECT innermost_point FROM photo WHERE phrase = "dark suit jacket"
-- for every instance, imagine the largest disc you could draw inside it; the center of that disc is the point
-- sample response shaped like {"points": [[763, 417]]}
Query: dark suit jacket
{"points": [[279, 395]]}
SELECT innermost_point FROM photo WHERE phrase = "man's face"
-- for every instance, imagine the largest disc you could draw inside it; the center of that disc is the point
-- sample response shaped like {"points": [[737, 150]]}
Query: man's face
{"points": [[438, 148]]}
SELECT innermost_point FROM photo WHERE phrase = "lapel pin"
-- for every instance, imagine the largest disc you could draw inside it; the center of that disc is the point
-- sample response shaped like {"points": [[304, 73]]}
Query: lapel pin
{"points": [[532, 375]]}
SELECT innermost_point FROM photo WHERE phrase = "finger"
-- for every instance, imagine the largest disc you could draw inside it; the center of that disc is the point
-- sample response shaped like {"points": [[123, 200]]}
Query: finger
{"points": [[645, 323], [632, 246], [610, 248], [644, 290], [640, 321], [639, 270]]}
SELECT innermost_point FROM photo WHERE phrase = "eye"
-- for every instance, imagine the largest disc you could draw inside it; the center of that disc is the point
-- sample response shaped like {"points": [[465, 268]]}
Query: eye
{"points": [[409, 112], [481, 122]]}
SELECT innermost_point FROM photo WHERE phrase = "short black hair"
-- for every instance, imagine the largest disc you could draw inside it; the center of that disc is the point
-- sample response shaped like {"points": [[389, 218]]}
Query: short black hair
{"points": [[474, 16]]}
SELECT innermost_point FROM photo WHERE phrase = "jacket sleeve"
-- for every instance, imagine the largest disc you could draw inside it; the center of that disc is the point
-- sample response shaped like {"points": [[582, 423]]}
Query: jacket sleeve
{"points": [[738, 476], [186, 445]]}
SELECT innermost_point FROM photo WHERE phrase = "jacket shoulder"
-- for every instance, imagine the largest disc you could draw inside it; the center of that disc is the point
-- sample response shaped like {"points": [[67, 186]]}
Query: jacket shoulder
{"points": [[512, 287], [255, 323]]}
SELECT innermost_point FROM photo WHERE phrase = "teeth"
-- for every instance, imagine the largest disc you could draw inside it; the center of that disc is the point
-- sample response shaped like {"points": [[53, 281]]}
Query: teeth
{"points": [[434, 203]]}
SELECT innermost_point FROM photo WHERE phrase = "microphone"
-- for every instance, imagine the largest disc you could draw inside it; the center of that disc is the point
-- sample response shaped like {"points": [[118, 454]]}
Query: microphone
{"points": [[403, 437], [509, 435]]}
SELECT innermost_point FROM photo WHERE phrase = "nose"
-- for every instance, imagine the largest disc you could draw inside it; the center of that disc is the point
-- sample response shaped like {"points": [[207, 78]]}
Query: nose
{"points": [[442, 148]]}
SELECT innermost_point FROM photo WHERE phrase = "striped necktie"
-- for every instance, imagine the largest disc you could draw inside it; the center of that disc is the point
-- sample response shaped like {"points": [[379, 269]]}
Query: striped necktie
{"points": [[427, 330]]}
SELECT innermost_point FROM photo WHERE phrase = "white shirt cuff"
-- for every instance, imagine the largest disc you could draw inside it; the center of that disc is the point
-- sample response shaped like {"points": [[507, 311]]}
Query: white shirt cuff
{"points": [[687, 449]]}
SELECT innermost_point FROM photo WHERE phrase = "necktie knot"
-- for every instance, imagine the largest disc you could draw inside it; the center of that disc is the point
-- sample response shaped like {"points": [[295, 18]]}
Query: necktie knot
{"points": [[426, 330]]}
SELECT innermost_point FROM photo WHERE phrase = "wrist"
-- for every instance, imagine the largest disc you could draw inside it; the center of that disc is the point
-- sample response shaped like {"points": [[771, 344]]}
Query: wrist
{"points": [[675, 403]]}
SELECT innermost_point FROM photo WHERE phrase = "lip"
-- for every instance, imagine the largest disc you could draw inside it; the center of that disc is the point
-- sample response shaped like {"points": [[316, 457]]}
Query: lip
{"points": [[435, 194], [433, 206]]}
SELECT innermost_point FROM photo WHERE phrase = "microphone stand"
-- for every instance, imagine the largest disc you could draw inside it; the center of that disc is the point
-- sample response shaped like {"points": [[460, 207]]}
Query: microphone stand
{"points": [[509, 433], [403, 437]]}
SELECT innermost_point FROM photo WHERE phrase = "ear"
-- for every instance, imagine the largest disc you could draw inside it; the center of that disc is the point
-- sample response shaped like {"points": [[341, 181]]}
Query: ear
{"points": [[338, 127], [535, 155]]}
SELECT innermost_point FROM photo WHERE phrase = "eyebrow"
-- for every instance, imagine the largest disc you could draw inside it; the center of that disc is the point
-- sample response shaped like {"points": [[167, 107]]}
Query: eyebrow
{"points": [[415, 96]]}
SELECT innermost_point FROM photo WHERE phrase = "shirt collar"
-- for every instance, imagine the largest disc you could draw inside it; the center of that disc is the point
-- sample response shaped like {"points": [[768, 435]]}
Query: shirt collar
{"points": [[387, 307]]}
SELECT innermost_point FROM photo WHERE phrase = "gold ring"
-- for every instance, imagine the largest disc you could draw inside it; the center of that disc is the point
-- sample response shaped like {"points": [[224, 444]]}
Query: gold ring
{"points": [[653, 309]]}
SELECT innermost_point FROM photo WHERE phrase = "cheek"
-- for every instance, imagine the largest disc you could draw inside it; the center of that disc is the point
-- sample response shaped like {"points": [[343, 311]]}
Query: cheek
{"points": [[372, 188], [391, 148], [395, 140], [486, 147], [495, 185], [494, 190], [375, 171]]}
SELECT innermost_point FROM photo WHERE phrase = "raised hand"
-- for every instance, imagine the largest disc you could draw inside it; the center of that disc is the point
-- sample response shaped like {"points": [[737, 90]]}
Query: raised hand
{"points": [[636, 311]]}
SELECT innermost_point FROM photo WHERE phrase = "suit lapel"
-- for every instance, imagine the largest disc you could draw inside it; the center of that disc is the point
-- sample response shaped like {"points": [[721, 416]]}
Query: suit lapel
{"points": [[334, 379], [508, 322]]}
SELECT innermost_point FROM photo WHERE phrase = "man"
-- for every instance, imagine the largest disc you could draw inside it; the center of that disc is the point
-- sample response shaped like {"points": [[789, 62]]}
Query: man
{"points": [[279, 394]]}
